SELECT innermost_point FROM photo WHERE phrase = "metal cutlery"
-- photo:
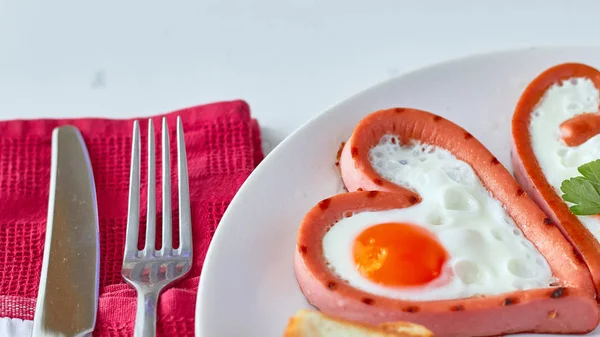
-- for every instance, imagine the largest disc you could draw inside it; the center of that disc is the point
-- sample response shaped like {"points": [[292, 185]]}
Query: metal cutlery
{"points": [[150, 270], [67, 299]]}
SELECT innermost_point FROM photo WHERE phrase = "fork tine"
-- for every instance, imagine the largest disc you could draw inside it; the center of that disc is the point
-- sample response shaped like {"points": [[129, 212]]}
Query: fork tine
{"points": [[133, 218], [167, 240], [151, 209], [185, 222]]}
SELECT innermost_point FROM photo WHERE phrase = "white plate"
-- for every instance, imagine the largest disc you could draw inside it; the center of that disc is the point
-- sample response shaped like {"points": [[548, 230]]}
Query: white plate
{"points": [[248, 287]]}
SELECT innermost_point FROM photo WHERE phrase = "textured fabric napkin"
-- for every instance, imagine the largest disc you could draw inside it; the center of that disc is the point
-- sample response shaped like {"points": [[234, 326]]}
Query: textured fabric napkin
{"points": [[223, 147]]}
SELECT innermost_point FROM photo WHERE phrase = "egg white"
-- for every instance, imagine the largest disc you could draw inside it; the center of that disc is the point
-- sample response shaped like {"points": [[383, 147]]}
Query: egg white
{"points": [[488, 253], [558, 161]]}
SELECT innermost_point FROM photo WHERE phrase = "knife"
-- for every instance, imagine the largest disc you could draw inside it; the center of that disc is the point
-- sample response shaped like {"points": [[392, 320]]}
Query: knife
{"points": [[67, 299]]}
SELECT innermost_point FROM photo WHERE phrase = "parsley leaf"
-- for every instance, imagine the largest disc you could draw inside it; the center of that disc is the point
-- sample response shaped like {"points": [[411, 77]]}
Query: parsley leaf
{"points": [[584, 191]]}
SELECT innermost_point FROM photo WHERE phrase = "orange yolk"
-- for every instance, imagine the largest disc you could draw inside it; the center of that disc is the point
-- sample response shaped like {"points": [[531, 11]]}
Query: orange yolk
{"points": [[398, 254]]}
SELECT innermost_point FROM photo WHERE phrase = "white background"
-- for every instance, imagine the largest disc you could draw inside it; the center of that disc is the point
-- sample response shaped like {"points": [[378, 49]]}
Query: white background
{"points": [[289, 60]]}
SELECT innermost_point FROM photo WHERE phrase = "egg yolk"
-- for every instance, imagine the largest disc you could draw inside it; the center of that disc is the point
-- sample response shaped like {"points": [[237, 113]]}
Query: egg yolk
{"points": [[398, 254]]}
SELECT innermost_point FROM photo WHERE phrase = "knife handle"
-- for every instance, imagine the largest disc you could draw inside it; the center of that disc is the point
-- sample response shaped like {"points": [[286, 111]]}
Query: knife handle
{"points": [[145, 316]]}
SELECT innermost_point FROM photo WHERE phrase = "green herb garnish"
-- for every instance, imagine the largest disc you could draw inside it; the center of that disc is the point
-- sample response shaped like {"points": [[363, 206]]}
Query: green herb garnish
{"points": [[584, 191]]}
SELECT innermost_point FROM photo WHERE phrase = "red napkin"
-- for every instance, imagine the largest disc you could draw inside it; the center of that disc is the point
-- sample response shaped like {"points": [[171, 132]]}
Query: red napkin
{"points": [[223, 147]]}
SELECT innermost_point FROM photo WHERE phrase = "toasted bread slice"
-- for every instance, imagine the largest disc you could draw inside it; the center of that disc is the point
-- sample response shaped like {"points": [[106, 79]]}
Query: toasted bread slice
{"points": [[312, 323], [411, 329]]}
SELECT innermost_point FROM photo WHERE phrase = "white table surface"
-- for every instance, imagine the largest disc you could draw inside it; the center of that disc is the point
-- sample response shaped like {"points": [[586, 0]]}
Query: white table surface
{"points": [[289, 60]]}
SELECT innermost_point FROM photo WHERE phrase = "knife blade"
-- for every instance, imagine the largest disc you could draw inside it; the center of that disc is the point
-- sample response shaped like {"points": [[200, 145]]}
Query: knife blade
{"points": [[67, 300]]}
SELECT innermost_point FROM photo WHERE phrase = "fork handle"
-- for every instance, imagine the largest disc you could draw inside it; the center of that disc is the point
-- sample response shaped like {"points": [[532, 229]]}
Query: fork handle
{"points": [[145, 316]]}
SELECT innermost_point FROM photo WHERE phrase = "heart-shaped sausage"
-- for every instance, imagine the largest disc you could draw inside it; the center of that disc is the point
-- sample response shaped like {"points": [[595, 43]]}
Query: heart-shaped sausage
{"points": [[425, 231], [554, 118]]}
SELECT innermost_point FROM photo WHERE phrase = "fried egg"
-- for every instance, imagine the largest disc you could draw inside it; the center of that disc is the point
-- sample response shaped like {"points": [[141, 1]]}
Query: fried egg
{"points": [[558, 161], [457, 242]]}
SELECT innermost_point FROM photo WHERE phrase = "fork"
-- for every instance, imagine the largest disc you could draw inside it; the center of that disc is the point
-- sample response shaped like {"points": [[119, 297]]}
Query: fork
{"points": [[149, 270]]}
